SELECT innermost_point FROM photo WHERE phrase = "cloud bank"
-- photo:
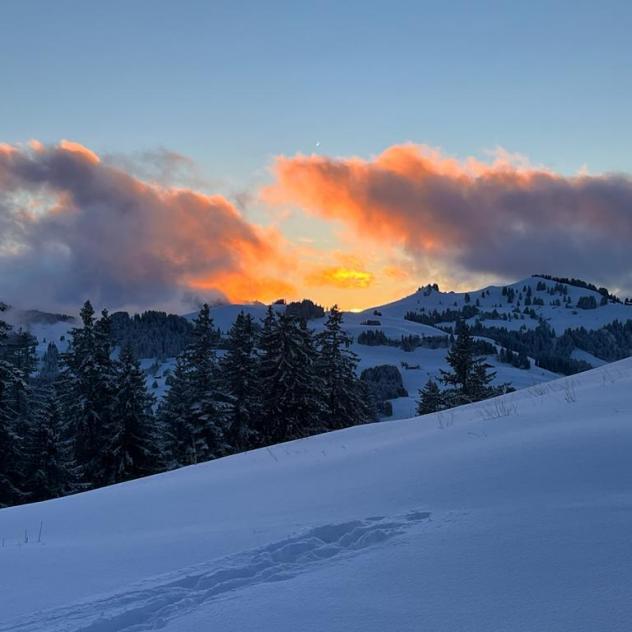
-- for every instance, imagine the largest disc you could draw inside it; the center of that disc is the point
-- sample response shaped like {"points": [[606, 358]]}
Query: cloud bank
{"points": [[504, 218], [73, 227], [135, 233]]}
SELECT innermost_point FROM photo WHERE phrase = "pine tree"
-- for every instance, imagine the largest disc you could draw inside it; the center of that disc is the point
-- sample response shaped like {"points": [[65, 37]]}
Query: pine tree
{"points": [[11, 475], [134, 447], [21, 355], [175, 418], [267, 352], [49, 453], [88, 385], [461, 358], [207, 413], [480, 381], [50, 365], [431, 399], [239, 369], [292, 393], [344, 397], [469, 378]]}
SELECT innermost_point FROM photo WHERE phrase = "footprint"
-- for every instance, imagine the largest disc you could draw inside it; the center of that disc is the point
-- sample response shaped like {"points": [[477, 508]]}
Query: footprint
{"points": [[174, 595]]}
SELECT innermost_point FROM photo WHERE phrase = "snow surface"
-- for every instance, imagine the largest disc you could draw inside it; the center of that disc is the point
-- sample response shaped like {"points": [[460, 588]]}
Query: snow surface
{"points": [[560, 318], [513, 514]]}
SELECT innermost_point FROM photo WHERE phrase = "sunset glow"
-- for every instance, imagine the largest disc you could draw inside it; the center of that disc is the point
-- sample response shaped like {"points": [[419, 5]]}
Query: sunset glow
{"points": [[408, 216]]}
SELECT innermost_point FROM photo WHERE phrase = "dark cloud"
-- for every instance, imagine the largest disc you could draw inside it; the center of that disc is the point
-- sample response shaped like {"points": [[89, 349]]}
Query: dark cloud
{"points": [[73, 227]]}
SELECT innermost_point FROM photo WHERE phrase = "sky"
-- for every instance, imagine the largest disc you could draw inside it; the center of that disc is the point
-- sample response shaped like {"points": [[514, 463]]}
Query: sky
{"points": [[348, 152]]}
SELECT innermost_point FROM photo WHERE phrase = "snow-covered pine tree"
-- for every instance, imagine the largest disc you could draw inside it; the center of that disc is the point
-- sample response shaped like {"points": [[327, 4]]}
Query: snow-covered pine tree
{"points": [[11, 457], [21, 355], [88, 386], [207, 411], [175, 418], [431, 399], [292, 395], [268, 354], [134, 446], [461, 358], [469, 379], [480, 381], [344, 397], [239, 370], [49, 453], [50, 365]]}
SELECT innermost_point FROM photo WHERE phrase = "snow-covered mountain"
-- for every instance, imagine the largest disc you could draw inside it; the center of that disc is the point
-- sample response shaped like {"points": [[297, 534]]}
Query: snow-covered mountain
{"points": [[521, 306], [509, 514], [545, 300], [559, 305]]}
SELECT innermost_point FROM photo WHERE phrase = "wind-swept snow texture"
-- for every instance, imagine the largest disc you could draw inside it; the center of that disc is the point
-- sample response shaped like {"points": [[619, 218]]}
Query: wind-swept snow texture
{"points": [[513, 514]]}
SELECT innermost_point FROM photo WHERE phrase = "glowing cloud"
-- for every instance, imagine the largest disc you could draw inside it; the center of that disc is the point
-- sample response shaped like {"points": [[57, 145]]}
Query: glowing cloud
{"points": [[72, 227], [340, 277], [505, 217], [76, 225]]}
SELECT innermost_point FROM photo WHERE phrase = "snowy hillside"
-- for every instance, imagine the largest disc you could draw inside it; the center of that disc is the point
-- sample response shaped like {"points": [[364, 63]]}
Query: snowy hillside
{"points": [[497, 306], [429, 361], [559, 316], [511, 514]]}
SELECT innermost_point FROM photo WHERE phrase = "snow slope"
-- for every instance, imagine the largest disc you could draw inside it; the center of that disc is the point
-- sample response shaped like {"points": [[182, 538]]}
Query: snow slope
{"points": [[513, 514], [490, 298]]}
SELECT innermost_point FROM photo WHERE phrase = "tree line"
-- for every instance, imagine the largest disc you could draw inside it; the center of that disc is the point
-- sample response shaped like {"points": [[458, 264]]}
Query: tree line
{"points": [[86, 418]]}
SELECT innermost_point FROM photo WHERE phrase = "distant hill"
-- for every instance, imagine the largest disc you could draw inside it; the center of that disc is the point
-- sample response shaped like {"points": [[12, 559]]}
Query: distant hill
{"points": [[531, 331], [35, 316]]}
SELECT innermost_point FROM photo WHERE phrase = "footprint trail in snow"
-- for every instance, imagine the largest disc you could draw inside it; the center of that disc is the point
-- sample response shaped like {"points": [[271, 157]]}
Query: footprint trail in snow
{"points": [[152, 604]]}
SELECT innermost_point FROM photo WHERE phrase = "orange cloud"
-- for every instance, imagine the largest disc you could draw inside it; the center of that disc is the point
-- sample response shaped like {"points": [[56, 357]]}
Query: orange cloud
{"points": [[503, 217], [70, 146], [392, 197], [396, 273], [238, 288], [123, 241], [340, 277]]}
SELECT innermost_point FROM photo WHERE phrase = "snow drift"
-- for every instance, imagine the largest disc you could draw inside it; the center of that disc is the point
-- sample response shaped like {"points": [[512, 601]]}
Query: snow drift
{"points": [[510, 514]]}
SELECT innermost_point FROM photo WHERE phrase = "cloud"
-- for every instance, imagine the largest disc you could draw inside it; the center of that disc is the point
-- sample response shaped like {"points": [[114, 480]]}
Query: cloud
{"points": [[73, 226], [339, 277], [503, 217], [137, 233], [396, 273], [161, 166]]}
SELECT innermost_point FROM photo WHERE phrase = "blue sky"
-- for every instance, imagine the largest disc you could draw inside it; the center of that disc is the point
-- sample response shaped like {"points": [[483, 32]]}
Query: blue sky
{"points": [[233, 83]]}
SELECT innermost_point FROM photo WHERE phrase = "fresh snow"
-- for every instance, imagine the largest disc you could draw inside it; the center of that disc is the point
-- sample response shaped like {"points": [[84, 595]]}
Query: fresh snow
{"points": [[559, 318], [510, 514]]}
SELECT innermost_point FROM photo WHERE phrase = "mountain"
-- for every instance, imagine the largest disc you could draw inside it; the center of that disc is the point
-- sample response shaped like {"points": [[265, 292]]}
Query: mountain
{"points": [[510, 514], [562, 325], [559, 304], [558, 324], [27, 317]]}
